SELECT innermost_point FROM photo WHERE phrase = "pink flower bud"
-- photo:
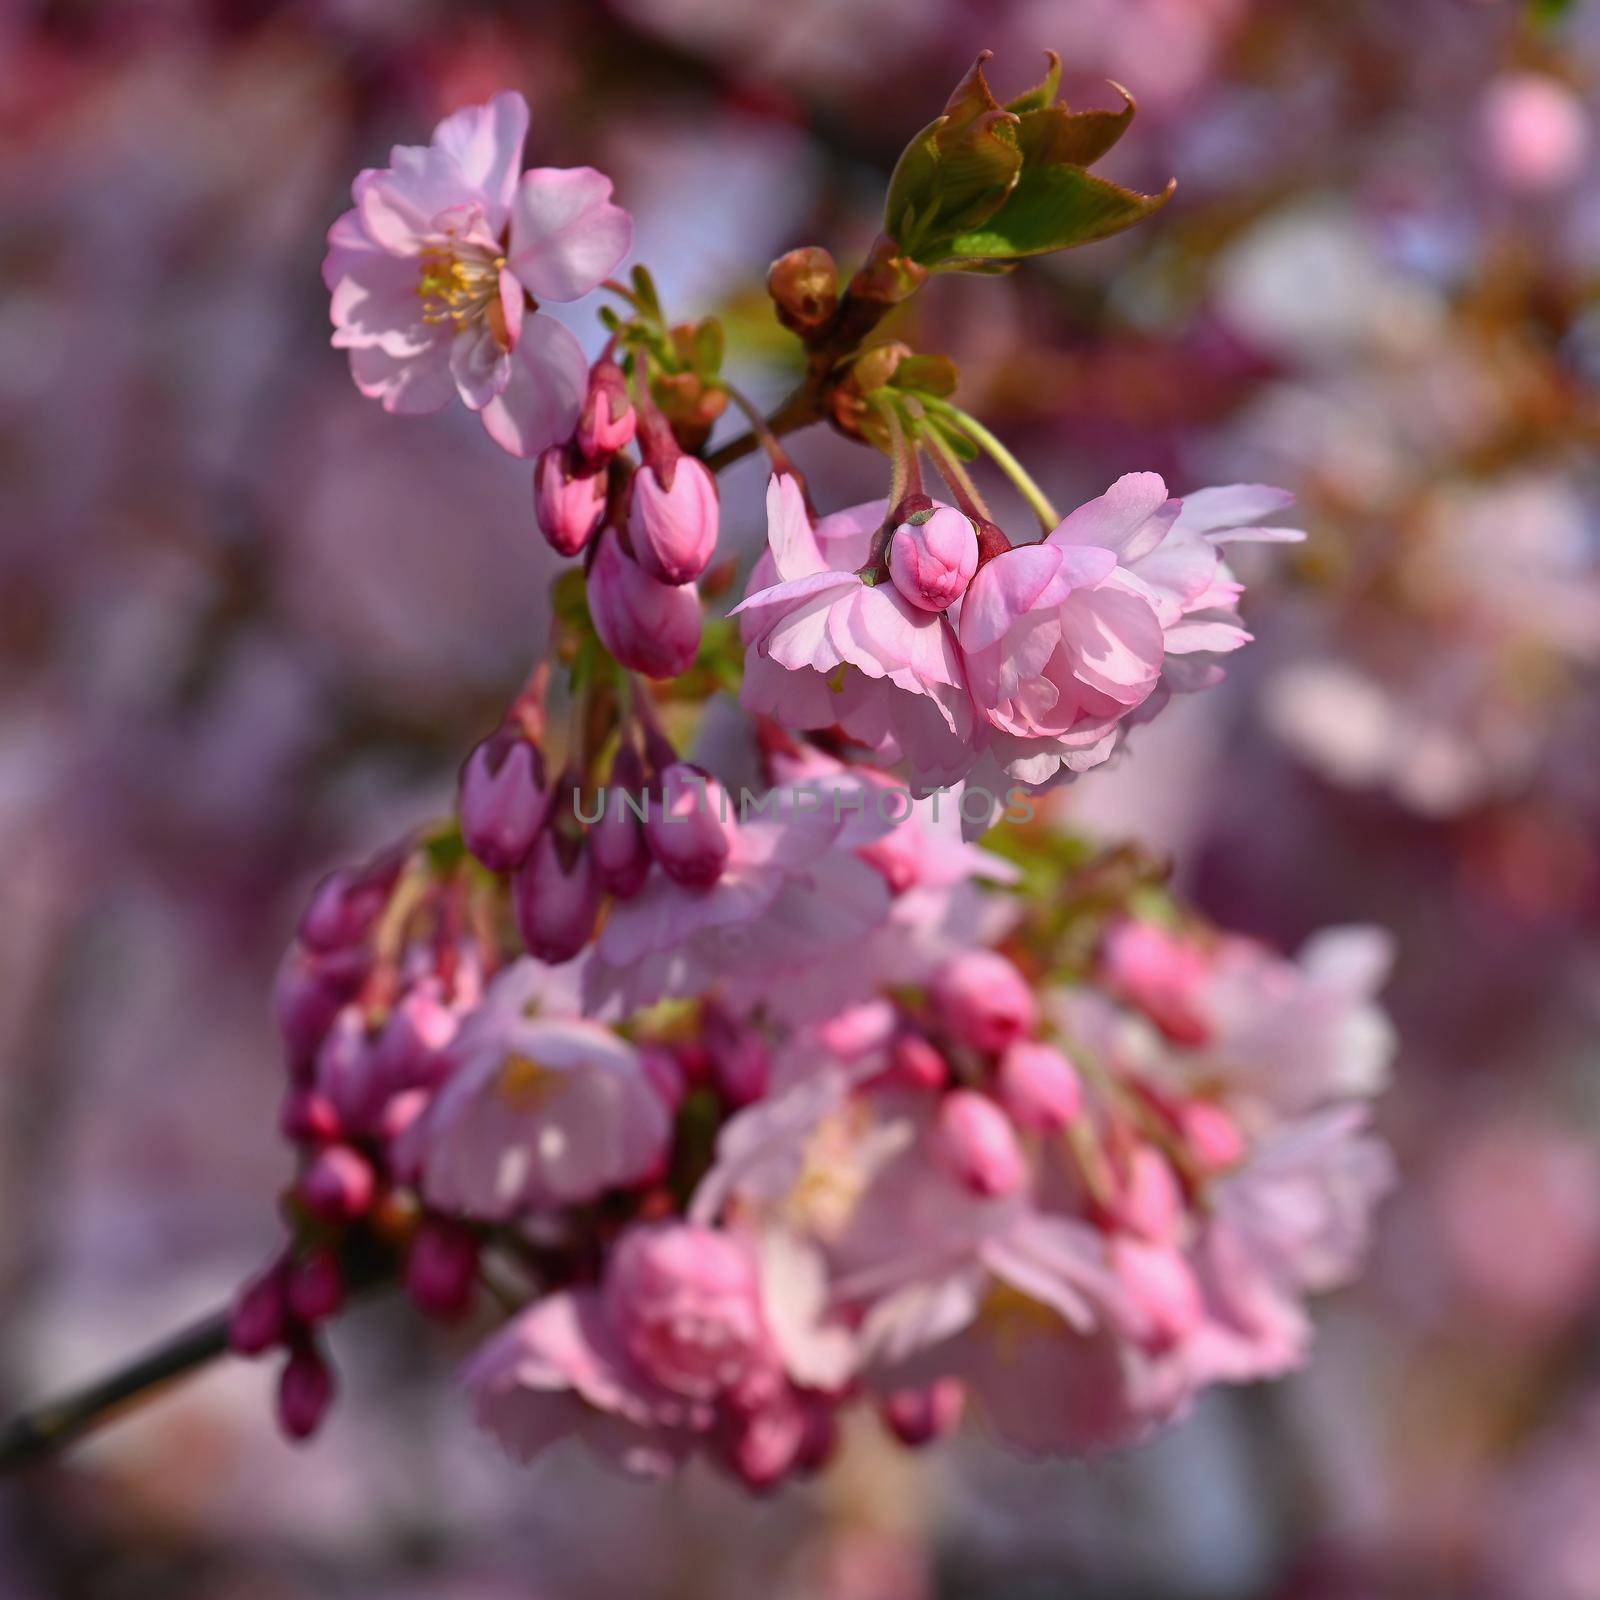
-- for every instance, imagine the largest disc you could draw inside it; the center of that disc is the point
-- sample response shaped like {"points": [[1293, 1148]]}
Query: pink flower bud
{"points": [[1150, 1203], [1039, 1086], [306, 996], [917, 1064], [399, 1116], [344, 905], [765, 1446], [932, 558], [649, 626], [557, 901], [441, 1268], [858, 1029], [346, 1073], [978, 1144], [1163, 1289], [741, 1066], [314, 1286], [338, 1184], [673, 528], [309, 1118], [666, 1077], [503, 801], [617, 842], [305, 1392], [608, 421], [259, 1318], [920, 1416], [412, 1051], [983, 1000], [691, 826], [570, 504], [1212, 1136]]}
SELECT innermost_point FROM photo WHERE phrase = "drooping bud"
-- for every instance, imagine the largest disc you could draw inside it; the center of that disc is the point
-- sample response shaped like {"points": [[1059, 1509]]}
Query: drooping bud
{"points": [[617, 842], [556, 897], [608, 420], [932, 558], [314, 1286], [305, 1392], [308, 1117], [804, 285], [570, 504], [410, 1053], [763, 1446], [441, 1267], [503, 801], [978, 1144], [1164, 1291], [741, 1065], [691, 828], [917, 1064], [347, 1076], [1039, 1086], [673, 519], [306, 997], [338, 1184], [983, 1000], [922, 1415], [259, 1318], [345, 904], [651, 627], [1149, 1203], [1211, 1135]]}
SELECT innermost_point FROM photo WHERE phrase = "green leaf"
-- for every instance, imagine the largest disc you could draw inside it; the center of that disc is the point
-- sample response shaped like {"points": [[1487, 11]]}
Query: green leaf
{"points": [[959, 444], [930, 374], [645, 287], [1042, 94], [1055, 136], [1054, 208], [708, 348]]}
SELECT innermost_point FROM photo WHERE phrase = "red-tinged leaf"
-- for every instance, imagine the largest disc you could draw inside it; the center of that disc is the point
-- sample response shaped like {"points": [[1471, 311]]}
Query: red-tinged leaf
{"points": [[1055, 136], [1041, 94]]}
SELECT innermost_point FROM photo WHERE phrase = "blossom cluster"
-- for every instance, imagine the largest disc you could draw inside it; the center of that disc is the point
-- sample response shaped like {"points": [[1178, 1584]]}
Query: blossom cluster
{"points": [[746, 1114]]}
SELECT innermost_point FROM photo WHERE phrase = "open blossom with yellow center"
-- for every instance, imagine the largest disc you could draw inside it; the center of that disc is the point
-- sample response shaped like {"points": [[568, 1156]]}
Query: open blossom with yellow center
{"points": [[437, 273]]}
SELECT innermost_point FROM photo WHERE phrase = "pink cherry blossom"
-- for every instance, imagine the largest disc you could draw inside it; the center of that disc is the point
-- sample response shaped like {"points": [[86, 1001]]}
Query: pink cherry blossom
{"points": [[826, 649], [437, 272]]}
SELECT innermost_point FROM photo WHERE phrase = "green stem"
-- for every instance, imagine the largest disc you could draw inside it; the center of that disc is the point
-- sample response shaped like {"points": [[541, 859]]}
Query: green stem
{"points": [[1038, 501]]}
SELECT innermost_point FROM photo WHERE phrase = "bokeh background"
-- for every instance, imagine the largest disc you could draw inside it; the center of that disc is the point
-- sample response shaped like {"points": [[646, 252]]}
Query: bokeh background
{"points": [[248, 624]]}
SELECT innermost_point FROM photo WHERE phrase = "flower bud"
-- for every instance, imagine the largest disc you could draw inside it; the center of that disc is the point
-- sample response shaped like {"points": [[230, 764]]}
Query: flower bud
{"points": [[412, 1050], [1212, 1136], [608, 420], [1039, 1086], [858, 1029], [308, 1117], [741, 1066], [569, 504], [983, 1000], [804, 285], [441, 1268], [617, 841], [978, 1144], [338, 1184], [765, 1445], [306, 997], [922, 1415], [259, 1318], [651, 627], [1150, 1203], [932, 558], [556, 901], [305, 1391], [345, 904], [673, 520], [314, 1286], [691, 827], [1163, 1289], [503, 801], [916, 1063], [346, 1072], [666, 1076]]}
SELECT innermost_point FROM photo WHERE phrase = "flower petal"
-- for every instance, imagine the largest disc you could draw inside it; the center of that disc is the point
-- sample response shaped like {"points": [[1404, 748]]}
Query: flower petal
{"points": [[544, 390], [565, 233], [486, 143]]}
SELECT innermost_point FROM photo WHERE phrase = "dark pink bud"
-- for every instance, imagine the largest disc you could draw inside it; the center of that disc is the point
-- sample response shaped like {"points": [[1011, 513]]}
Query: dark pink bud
{"points": [[1150, 1202], [764, 1446], [922, 1415], [1039, 1086], [608, 421], [916, 1064], [412, 1051], [691, 827], [932, 558], [338, 1184], [617, 842], [309, 1118], [1164, 1291], [314, 1286], [1213, 1137], [673, 519], [503, 801], [978, 1144], [260, 1317], [306, 996], [741, 1066], [983, 1000], [570, 504], [345, 904], [398, 1117], [305, 1392], [346, 1071], [649, 626], [441, 1268], [557, 902]]}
